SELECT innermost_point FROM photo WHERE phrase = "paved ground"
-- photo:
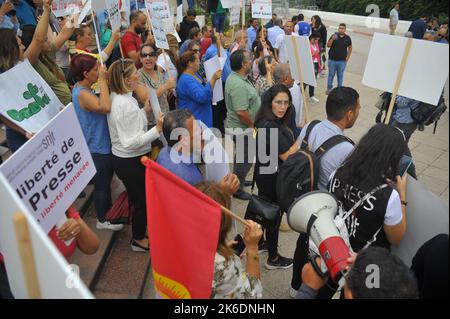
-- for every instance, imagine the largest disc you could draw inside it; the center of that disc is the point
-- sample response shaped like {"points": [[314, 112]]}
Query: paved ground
{"points": [[430, 152]]}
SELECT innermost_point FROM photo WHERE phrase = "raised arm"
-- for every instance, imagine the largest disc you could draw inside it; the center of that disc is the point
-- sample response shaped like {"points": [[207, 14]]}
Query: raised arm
{"points": [[40, 35]]}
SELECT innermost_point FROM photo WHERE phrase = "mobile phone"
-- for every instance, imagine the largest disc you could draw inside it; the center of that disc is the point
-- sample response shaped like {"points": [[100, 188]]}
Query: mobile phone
{"points": [[403, 166], [240, 246]]}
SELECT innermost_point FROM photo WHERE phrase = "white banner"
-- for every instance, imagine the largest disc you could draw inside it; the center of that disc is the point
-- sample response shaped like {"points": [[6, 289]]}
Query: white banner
{"points": [[27, 101], [56, 278], [158, 9], [426, 69], [52, 169], [211, 67], [262, 9], [86, 9], [61, 8], [214, 156], [300, 58], [112, 6], [235, 14], [180, 14], [160, 34]]}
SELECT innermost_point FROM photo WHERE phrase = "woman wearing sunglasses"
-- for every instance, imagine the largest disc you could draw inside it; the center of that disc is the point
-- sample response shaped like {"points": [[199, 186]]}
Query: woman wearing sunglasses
{"points": [[152, 77], [130, 140]]}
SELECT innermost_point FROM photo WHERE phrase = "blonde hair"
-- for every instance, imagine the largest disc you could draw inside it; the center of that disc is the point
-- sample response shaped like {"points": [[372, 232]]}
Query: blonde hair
{"points": [[119, 71]]}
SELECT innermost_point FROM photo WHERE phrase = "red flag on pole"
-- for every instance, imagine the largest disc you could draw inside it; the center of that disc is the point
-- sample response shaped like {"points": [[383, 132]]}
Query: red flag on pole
{"points": [[183, 227]]}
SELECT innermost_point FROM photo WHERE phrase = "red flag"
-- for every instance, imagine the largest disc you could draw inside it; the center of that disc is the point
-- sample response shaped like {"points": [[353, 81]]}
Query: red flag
{"points": [[183, 226]]}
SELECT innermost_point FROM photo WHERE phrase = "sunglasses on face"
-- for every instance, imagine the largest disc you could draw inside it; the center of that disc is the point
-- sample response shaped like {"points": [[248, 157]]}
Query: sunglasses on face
{"points": [[148, 55]]}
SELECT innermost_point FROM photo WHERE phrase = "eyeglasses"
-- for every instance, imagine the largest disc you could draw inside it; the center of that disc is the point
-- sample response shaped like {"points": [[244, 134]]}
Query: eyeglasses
{"points": [[282, 103], [148, 55], [196, 50]]}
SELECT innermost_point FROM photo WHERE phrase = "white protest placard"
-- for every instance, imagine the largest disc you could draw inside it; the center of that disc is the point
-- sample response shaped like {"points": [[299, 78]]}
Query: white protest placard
{"points": [[227, 4], [158, 9], [300, 59], [156, 109], [52, 169], [160, 34], [426, 69], [427, 216], [56, 279], [262, 9], [61, 8], [27, 101], [180, 13], [112, 6], [297, 101], [214, 156], [86, 9], [235, 14], [169, 27], [211, 67]]}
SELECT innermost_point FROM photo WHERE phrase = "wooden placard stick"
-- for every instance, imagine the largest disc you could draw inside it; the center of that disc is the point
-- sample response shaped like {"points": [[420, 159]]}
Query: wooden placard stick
{"points": [[398, 82], [166, 63], [302, 87], [26, 255]]}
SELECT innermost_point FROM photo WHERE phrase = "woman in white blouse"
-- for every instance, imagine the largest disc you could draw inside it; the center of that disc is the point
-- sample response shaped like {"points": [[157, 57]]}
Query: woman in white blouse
{"points": [[131, 140]]}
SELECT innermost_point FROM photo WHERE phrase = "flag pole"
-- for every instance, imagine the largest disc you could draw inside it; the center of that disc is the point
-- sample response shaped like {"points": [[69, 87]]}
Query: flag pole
{"points": [[26, 256], [302, 86], [398, 81], [146, 159], [96, 38]]}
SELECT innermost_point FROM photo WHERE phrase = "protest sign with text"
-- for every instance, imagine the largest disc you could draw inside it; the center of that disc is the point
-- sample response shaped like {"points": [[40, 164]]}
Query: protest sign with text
{"points": [[61, 8], [160, 34], [235, 14], [262, 9], [52, 169], [28, 101], [112, 6], [211, 67], [300, 59], [158, 9]]}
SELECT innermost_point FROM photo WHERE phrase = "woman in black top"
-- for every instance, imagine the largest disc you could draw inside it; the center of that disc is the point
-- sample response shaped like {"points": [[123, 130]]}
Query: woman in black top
{"points": [[318, 26], [272, 123]]}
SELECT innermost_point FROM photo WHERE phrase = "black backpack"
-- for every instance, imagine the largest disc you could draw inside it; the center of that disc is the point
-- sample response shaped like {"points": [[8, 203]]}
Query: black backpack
{"points": [[299, 174], [426, 114]]}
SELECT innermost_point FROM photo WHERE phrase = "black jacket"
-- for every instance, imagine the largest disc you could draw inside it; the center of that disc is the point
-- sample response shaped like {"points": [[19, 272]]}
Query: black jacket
{"points": [[185, 27]]}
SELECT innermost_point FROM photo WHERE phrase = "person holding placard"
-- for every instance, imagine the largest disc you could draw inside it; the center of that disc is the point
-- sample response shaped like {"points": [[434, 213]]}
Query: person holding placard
{"points": [[13, 52], [340, 45], [191, 92], [171, 56], [131, 139], [91, 111], [152, 77], [131, 42]]}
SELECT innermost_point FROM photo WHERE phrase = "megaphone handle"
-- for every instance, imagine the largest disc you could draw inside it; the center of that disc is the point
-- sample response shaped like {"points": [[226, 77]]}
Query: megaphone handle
{"points": [[317, 268]]}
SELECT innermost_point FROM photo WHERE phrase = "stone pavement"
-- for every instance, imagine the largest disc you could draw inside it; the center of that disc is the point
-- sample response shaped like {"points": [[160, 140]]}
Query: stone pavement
{"points": [[431, 157]]}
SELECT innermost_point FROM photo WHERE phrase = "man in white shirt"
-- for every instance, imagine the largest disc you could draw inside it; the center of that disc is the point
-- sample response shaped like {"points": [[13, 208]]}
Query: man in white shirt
{"points": [[280, 43], [275, 31], [393, 18]]}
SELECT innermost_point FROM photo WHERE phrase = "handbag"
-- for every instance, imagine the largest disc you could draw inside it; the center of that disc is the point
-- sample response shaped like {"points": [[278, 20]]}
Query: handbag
{"points": [[261, 210]]}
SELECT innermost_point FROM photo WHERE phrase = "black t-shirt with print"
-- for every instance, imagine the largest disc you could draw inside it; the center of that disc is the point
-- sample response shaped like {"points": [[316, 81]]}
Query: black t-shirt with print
{"points": [[338, 51], [367, 218]]}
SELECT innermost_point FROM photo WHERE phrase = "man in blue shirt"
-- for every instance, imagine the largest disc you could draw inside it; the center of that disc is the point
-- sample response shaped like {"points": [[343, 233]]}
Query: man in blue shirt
{"points": [[183, 153], [419, 27], [8, 19], [252, 32]]}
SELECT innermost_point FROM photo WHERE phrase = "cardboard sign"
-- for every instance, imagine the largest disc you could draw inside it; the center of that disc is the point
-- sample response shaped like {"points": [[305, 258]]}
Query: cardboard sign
{"points": [[300, 58], [28, 101], [158, 9], [112, 6], [262, 9], [156, 109], [57, 280], [52, 169], [235, 14], [160, 34], [426, 217], [426, 69], [214, 155], [211, 67], [86, 9], [180, 14], [61, 8]]}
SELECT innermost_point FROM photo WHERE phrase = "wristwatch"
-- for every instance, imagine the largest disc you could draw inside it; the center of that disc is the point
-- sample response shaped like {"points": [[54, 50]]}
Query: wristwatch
{"points": [[404, 203]]}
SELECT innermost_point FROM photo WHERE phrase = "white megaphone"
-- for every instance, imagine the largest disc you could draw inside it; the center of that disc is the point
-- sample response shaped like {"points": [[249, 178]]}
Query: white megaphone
{"points": [[313, 214]]}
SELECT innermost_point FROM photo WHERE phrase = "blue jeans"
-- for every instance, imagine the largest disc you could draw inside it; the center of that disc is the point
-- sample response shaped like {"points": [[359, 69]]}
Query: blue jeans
{"points": [[102, 184], [218, 22], [191, 4], [333, 68]]}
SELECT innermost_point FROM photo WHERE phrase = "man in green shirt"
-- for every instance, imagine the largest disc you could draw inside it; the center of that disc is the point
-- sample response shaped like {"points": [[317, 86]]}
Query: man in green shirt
{"points": [[243, 102]]}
